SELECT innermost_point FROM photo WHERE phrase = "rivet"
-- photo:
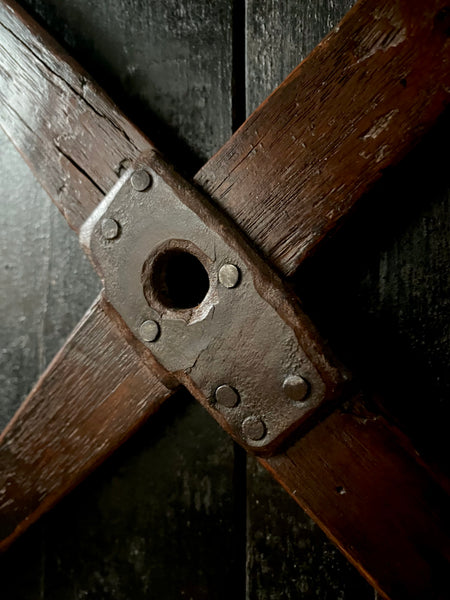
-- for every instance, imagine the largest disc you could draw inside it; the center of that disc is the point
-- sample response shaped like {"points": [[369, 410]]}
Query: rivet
{"points": [[141, 180], [227, 396], [229, 275], [149, 331], [254, 428], [110, 229], [296, 388]]}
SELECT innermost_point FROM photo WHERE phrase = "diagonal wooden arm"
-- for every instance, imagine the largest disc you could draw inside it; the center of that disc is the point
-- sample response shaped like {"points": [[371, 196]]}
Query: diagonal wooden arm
{"points": [[355, 106], [76, 144], [260, 163], [356, 476], [92, 397], [73, 137]]}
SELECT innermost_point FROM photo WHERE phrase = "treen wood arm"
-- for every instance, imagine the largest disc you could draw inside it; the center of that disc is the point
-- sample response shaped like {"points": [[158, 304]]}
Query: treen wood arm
{"points": [[287, 178], [75, 140], [355, 106], [92, 397]]}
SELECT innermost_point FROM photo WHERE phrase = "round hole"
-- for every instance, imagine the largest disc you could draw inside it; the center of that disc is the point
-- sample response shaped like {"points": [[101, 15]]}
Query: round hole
{"points": [[179, 280]]}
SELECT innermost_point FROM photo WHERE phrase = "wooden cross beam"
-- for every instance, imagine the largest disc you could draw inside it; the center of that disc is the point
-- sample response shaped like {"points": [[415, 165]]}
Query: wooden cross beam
{"points": [[287, 178]]}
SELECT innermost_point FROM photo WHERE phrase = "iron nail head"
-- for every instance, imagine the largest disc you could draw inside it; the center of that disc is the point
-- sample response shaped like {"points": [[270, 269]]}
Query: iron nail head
{"points": [[229, 275], [110, 229], [296, 387], [141, 180], [254, 428], [149, 331], [227, 396]]}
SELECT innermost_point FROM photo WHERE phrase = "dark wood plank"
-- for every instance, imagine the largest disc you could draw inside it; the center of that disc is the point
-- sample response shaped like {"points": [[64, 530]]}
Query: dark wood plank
{"points": [[415, 521], [260, 548], [86, 404], [170, 71], [385, 307], [167, 499], [280, 36], [282, 538], [355, 477], [288, 553], [355, 106], [305, 157]]}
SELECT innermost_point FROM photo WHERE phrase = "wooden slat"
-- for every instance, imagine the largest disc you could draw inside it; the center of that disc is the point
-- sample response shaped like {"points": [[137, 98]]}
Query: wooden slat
{"points": [[92, 397], [76, 142], [355, 106], [354, 474], [281, 539], [385, 76], [74, 138]]}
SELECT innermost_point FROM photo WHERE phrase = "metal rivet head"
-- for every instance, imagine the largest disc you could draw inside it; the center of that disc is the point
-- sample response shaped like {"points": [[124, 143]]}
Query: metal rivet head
{"points": [[254, 428], [296, 388], [141, 180], [110, 229], [149, 331], [229, 276], [227, 396]]}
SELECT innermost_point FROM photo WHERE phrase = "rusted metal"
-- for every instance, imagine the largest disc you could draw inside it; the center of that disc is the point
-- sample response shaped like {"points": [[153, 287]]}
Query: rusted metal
{"points": [[189, 286]]}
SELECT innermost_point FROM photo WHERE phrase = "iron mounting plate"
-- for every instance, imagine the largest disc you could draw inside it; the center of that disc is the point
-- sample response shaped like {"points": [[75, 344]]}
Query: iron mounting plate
{"points": [[252, 337]]}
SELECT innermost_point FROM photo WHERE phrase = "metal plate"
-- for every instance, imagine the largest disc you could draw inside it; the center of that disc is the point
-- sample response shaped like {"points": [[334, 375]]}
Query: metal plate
{"points": [[234, 343]]}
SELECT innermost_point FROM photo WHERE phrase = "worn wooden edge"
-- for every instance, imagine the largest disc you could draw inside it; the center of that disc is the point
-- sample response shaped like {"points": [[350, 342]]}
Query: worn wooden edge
{"points": [[355, 106], [360, 479], [74, 138], [92, 397]]}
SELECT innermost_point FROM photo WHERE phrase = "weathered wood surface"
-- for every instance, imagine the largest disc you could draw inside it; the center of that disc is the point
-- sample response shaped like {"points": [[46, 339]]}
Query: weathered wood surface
{"points": [[59, 550], [367, 476], [72, 136], [92, 397], [168, 497], [355, 107], [394, 61], [281, 538], [76, 141]]}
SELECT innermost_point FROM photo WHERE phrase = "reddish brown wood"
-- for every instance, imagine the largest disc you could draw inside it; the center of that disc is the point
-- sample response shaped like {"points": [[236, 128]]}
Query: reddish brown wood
{"points": [[356, 105], [76, 141], [356, 476], [70, 133], [295, 168], [287, 178], [92, 397]]}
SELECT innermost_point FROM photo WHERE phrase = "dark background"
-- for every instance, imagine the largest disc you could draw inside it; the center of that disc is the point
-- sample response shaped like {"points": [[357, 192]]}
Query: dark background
{"points": [[179, 512]]}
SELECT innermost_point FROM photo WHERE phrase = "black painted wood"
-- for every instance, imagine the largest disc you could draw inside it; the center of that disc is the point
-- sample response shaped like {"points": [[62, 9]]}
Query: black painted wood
{"points": [[379, 292], [168, 518], [286, 550]]}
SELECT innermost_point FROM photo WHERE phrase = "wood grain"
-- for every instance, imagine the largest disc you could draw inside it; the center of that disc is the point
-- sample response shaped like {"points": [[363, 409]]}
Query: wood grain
{"points": [[409, 46], [355, 476], [59, 120], [384, 65], [281, 538], [178, 474], [92, 397], [357, 104], [73, 137]]}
